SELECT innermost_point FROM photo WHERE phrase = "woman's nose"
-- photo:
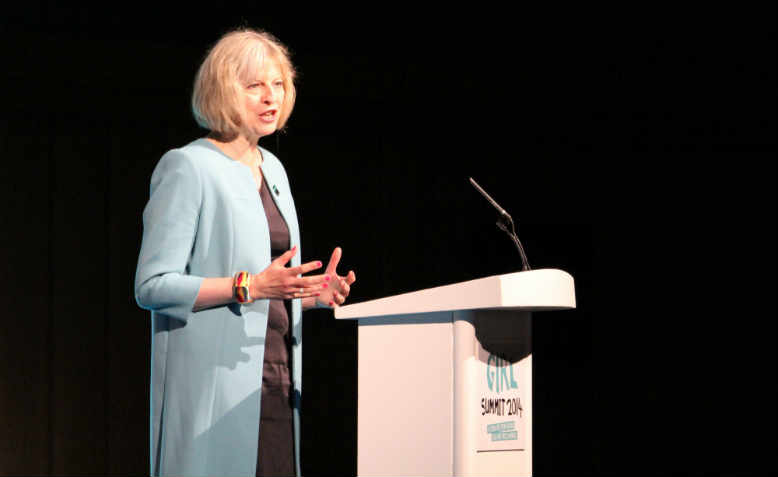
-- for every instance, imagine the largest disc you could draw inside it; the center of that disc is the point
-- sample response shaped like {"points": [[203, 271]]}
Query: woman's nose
{"points": [[268, 95]]}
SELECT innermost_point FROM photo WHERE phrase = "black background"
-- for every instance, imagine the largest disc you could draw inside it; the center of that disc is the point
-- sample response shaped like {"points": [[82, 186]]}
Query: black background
{"points": [[635, 147]]}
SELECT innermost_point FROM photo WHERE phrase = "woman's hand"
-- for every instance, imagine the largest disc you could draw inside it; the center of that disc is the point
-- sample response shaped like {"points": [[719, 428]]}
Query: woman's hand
{"points": [[335, 295], [278, 281]]}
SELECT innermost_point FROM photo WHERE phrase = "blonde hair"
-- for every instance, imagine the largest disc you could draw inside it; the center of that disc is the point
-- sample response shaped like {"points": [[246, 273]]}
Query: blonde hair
{"points": [[230, 64]]}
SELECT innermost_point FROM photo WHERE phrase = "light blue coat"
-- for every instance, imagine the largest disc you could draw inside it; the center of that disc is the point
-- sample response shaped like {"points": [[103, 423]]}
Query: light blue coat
{"points": [[205, 218]]}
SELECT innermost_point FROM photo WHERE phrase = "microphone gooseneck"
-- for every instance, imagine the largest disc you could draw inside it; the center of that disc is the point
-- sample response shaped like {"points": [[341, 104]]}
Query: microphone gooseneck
{"points": [[503, 222]]}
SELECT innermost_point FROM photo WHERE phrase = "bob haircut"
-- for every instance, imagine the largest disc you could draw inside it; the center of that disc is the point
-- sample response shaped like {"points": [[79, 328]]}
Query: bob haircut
{"points": [[231, 64]]}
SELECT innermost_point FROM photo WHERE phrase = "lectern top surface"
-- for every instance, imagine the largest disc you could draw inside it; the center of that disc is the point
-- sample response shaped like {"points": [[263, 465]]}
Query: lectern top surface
{"points": [[545, 289]]}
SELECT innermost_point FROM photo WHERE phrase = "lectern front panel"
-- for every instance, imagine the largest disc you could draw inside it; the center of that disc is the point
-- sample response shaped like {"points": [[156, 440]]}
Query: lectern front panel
{"points": [[405, 395]]}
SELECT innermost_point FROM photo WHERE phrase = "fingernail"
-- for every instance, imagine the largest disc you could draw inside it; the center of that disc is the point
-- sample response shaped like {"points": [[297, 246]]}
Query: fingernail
{"points": [[318, 264], [324, 285], [317, 294], [332, 303], [327, 277]]}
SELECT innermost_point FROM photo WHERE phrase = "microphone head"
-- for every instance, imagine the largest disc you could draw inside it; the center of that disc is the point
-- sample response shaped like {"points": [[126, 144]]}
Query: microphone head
{"points": [[490, 200]]}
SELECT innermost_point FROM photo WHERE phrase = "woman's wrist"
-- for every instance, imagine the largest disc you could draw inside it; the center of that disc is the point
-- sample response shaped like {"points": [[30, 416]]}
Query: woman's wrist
{"points": [[313, 302], [256, 287]]}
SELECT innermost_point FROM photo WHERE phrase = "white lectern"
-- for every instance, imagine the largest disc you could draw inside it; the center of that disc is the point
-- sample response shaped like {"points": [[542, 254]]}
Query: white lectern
{"points": [[445, 375]]}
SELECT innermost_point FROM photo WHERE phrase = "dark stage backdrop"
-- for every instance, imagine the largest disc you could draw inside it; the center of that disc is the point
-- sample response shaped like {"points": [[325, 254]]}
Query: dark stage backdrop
{"points": [[636, 150]]}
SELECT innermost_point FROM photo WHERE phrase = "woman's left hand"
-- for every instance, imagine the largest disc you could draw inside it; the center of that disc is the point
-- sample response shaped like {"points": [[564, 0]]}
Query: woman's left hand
{"points": [[340, 286]]}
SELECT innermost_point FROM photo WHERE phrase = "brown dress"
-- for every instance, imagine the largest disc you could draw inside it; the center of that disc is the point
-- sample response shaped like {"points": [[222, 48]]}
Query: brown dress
{"points": [[275, 455]]}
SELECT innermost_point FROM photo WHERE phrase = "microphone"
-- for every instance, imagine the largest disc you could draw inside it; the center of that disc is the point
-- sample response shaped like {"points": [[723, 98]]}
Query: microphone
{"points": [[503, 222], [491, 201]]}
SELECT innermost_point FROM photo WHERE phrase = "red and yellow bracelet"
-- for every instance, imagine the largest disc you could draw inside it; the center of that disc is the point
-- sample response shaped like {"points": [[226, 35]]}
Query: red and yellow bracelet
{"points": [[240, 287]]}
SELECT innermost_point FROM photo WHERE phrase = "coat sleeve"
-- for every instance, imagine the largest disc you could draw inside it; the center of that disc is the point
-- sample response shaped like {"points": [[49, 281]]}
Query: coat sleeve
{"points": [[170, 220]]}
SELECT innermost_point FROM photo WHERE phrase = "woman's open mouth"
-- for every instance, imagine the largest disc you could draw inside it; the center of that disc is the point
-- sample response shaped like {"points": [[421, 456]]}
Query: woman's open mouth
{"points": [[269, 116]]}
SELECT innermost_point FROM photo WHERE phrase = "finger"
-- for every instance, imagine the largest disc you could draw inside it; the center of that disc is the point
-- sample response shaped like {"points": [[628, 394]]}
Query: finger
{"points": [[284, 258], [305, 268], [334, 259], [335, 301], [345, 289], [303, 294], [303, 289], [339, 299], [351, 277], [318, 281]]}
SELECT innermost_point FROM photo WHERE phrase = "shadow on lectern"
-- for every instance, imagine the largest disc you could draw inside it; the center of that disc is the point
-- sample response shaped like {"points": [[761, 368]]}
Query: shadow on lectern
{"points": [[505, 335]]}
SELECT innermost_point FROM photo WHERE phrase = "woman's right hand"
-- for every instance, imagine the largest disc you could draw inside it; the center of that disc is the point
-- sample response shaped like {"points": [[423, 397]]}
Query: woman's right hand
{"points": [[281, 282]]}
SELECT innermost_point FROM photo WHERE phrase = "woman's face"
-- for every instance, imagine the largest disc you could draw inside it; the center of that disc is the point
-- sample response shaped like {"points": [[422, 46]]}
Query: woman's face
{"points": [[263, 96]]}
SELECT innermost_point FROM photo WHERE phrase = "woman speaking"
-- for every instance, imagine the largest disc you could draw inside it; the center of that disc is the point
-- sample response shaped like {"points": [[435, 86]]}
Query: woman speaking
{"points": [[220, 270]]}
